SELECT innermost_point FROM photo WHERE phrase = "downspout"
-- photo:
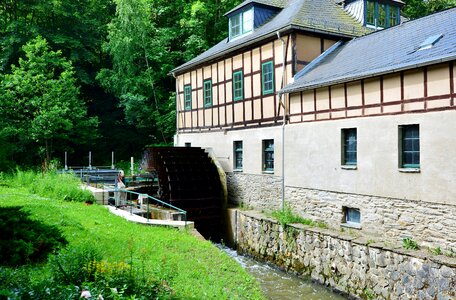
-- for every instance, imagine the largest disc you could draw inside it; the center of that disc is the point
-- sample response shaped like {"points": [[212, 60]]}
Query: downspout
{"points": [[281, 102], [176, 141]]}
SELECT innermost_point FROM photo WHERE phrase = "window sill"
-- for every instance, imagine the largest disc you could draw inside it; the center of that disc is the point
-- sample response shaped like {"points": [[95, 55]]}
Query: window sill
{"points": [[349, 167], [237, 171], [268, 172], [410, 170], [351, 225]]}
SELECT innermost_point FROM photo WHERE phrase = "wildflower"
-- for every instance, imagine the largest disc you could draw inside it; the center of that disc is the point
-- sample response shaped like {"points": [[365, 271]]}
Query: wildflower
{"points": [[86, 294]]}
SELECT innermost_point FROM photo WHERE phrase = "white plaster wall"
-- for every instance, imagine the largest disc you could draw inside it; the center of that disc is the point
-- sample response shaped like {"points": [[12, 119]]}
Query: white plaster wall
{"points": [[221, 143], [313, 155]]}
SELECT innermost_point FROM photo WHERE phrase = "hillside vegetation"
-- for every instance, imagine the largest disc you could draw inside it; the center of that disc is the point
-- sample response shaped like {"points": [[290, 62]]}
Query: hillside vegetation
{"points": [[109, 256]]}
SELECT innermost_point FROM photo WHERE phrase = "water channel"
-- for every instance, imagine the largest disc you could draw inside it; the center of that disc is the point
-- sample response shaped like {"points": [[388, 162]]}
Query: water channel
{"points": [[278, 285]]}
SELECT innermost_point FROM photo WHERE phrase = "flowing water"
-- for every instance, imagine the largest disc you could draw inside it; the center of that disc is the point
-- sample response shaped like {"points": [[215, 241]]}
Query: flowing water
{"points": [[278, 285]]}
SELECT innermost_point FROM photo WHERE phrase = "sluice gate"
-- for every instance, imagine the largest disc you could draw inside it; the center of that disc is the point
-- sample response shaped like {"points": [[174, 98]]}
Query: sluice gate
{"points": [[188, 179]]}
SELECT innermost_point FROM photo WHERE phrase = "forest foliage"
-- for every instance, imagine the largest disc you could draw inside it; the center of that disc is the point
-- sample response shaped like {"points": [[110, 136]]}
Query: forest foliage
{"points": [[93, 75]]}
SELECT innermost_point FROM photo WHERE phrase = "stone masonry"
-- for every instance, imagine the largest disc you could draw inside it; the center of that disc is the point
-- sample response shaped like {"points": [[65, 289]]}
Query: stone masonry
{"points": [[430, 224], [263, 192], [391, 219], [346, 263]]}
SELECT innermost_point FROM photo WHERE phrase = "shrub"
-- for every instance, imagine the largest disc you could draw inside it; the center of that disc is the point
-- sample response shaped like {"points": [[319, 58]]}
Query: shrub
{"points": [[70, 265], [53, 185], [24, 240], [286, 216], [84, 266]]}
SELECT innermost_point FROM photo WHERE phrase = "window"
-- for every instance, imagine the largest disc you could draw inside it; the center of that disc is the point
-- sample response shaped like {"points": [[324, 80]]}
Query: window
{"points": [[268, 155], [349, 146], [237, 147], [207, 93], [247, 21], [370, 14], [187, 97], [267, 77], [409, 145], [238, 85], [393, 16], [235, 26], [188, 144], [241, 23], [352, 216], [381, 15]]}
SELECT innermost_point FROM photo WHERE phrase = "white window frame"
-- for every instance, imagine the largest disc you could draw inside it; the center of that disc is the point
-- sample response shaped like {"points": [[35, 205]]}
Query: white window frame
{"points": [[245, 23]]}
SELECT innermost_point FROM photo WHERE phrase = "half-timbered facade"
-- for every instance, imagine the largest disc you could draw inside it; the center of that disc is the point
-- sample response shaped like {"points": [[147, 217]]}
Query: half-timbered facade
{"points": [[368, 136]]}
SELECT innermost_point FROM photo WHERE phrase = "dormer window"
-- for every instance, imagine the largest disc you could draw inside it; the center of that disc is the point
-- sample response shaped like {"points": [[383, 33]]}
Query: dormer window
{"points": [[381, 15], [241, 23]]}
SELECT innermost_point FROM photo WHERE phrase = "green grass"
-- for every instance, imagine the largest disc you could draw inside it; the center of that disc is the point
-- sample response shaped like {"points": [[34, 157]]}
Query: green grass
{"points": [[50, 184], [287, 216], [192, 268]]}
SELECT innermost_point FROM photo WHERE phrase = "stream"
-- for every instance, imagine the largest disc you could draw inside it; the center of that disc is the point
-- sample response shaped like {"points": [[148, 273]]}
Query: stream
{"points": [[278, 285]]}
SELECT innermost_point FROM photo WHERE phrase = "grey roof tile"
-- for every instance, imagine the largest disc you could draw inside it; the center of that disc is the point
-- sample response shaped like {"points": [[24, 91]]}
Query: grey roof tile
{"points": [[382, 52], [313, 15]]}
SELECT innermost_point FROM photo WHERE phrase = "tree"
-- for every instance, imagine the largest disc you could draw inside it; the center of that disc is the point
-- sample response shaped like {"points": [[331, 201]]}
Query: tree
{"points": [[414, 9], [41, 109], [146, 40]]}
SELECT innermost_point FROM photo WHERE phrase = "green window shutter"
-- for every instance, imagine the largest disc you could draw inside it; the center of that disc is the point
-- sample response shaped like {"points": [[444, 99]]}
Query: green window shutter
{"points": [[187, 97], [238, 86], [208, 93], [267, 77]]}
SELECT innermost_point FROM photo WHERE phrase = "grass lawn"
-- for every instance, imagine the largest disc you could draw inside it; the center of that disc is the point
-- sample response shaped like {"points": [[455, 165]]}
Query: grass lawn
{"points": [[192, 268]]}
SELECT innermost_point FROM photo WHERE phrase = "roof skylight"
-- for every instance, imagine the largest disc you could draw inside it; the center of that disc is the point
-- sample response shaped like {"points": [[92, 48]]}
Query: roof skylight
{"points": [[430, 41]]}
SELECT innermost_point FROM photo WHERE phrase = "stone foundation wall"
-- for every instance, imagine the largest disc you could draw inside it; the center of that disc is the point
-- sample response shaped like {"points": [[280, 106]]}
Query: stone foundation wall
{"points": [[262, 192], [430, 224], [388, 218], [346, 263]]}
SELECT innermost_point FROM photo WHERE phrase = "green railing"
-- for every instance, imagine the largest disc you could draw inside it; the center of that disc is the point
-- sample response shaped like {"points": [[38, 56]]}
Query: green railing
{"points": [[130, 202]]}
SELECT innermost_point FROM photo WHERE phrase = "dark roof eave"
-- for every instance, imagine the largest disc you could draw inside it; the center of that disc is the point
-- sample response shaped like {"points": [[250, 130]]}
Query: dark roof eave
{"points": [[365, 76], [285, 29]]}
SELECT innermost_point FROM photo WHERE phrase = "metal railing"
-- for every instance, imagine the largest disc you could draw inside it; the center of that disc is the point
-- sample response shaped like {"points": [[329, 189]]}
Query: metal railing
{"points": [[130, 202], [94, 174]]}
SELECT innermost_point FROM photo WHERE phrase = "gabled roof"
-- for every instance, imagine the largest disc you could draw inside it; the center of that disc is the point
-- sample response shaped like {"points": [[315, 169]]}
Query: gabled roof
{"points": [[382, 52], [273, 3], [322, 16]]}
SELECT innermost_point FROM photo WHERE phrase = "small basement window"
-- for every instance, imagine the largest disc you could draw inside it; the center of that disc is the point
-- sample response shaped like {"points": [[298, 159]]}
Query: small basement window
{"points": [[352, 217]]}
